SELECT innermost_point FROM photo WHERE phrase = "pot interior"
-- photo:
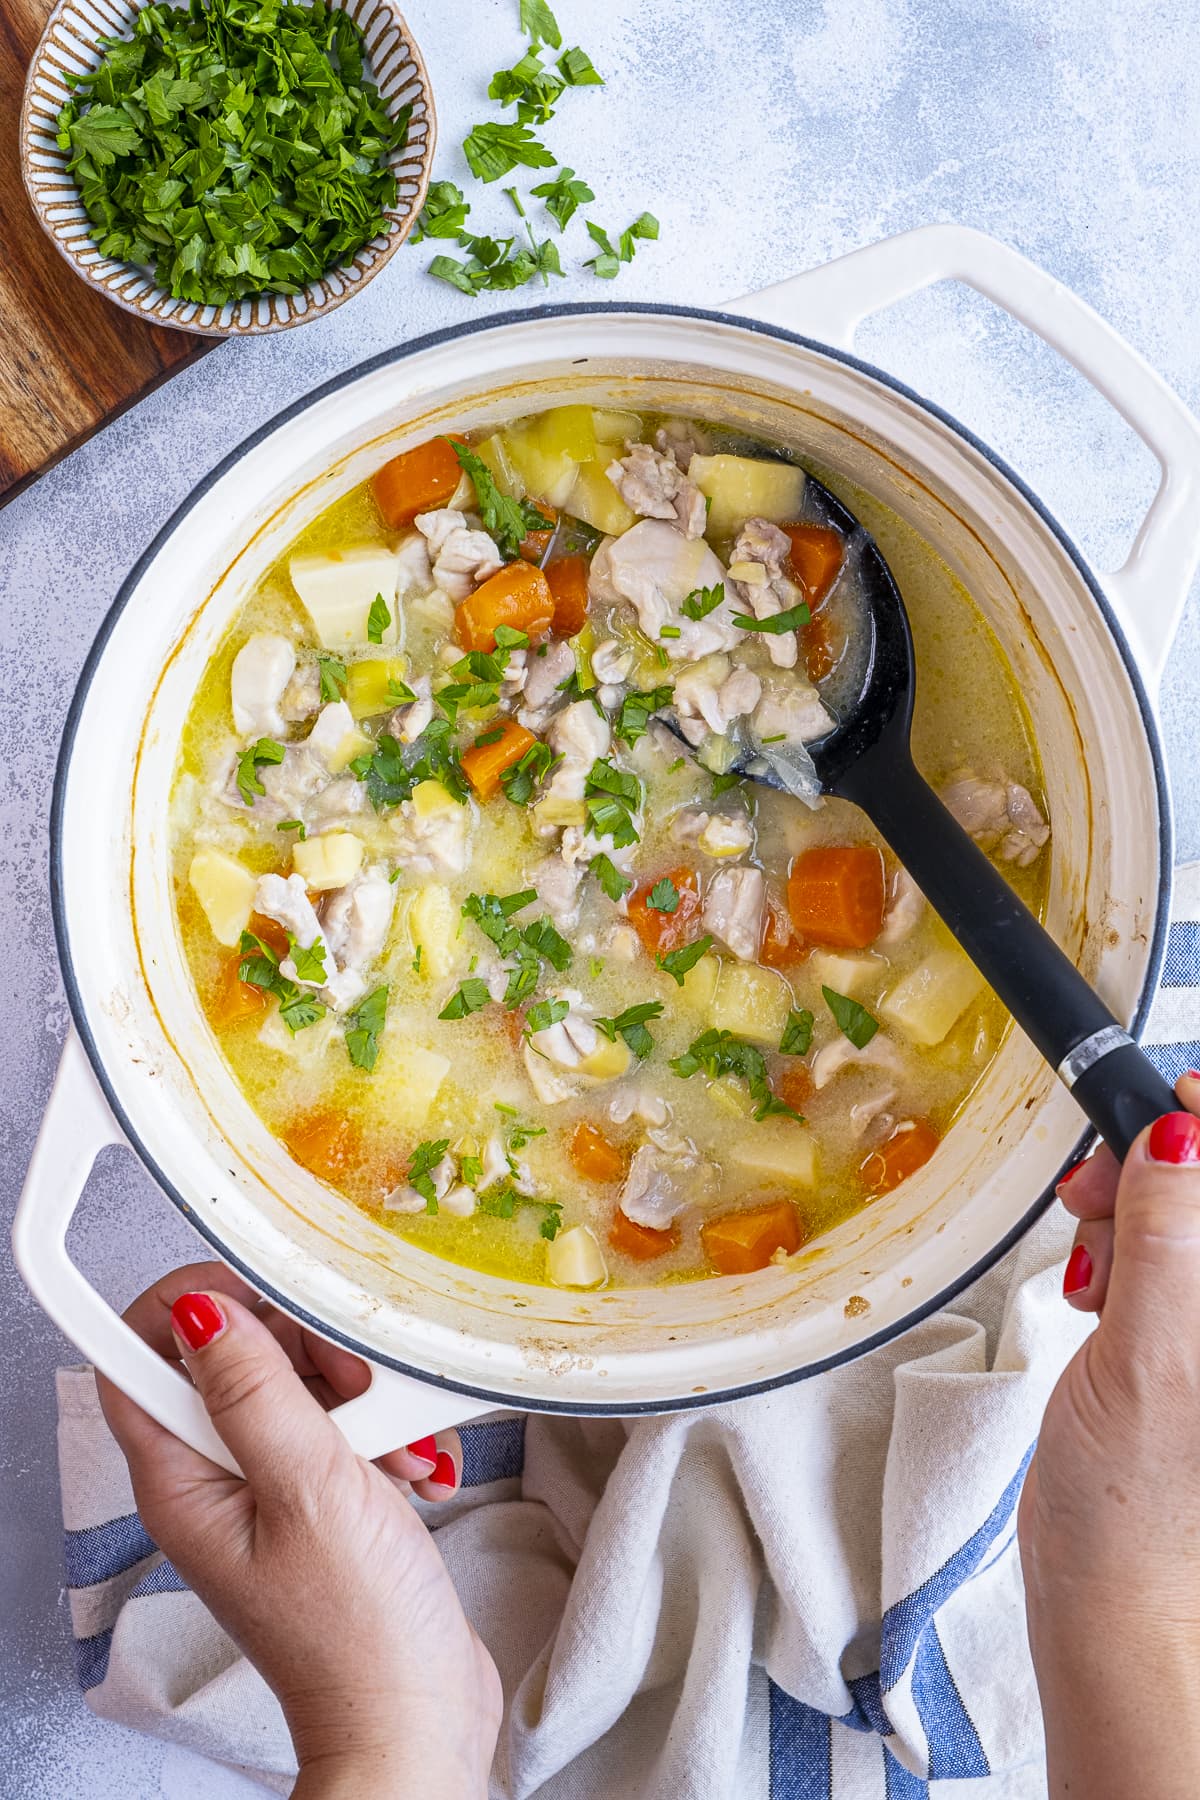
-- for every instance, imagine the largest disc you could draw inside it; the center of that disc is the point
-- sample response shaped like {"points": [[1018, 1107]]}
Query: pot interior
{"points": [[318, 1253]]}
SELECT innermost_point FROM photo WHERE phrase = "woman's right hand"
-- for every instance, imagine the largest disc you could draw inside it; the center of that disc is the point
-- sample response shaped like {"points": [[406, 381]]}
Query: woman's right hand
{"points": [[316, 1564]]}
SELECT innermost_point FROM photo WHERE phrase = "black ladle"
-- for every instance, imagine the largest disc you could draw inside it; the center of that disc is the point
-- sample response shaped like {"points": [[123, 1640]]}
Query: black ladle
{"points": [[867, 759]]}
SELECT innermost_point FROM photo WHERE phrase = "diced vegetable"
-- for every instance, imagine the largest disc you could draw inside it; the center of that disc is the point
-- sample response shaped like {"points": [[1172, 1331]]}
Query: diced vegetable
{"points": [[594, 1156], [741, 1242], [568, 578], [661, 931], [596, 501], [908, 1149], [234, 999], [433, 926], [370, 685], [575, 1259], [518, 596], [731, 1096], [339, 588], [407, 1080], [639, 1241], [752, 1002], [269, 932], [494, 453], [932, 997], [700, 983], [835, 895], [327, 1144], [614, 429], [418, 480], [567, 431], [355, 743], [535, 544], [850, 975], [795, 1085], [225, 889], [483, 764], [558, 809], [746, 487], [328, 861], [547, 474], [430, 799], [816, 558], [781, 948], [608, 1061], [778, 1149]]}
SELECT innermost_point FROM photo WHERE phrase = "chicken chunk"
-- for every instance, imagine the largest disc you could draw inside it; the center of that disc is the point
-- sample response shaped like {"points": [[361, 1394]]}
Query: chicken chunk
{"points": [[663, 1179], [335, 723], [544, 676], [633, 1102], [654, 567], [405, 1199], [409, 721], [579, 735], [1000, 815], [414, 572], [433, 843], [756, 569], [733, 910], [795, 715], [261, 672], [285, 899], [716, 692], [302, 696], [462, 557], [355, 919], [653, 485], [905, 907], [345, 798], [558, 881], [682, 439], [840, 1053], [611, 662]]}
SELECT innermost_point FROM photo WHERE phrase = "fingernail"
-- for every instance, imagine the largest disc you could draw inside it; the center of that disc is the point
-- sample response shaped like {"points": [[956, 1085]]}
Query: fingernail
{"points": [[1191, 1075], [425, 1450], [1078, 1273], [1070, 1175], [444, 1473], [196, 1319], [1175, 1138]]}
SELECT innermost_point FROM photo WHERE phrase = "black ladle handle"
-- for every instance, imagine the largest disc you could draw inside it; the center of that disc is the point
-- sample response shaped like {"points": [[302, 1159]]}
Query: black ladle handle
{"points": [[1114, 1081]]}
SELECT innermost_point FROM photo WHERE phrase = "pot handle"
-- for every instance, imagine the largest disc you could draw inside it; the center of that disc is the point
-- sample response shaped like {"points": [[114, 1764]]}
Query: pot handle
{"points": [[394, 1410], [830, 302]]}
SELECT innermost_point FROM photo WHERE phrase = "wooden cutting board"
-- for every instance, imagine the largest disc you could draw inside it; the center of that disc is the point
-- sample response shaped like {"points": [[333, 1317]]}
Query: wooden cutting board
{"points": [[69, 359]]}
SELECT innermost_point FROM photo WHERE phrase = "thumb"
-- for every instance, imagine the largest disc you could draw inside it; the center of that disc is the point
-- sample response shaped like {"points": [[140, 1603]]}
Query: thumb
{"points": [[1154, 1289], [260, 1407]]}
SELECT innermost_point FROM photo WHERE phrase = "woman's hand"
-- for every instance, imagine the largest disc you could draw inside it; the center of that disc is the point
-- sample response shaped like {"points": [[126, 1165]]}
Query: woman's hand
{"points": [[1109, 1521], [316, 1564]]}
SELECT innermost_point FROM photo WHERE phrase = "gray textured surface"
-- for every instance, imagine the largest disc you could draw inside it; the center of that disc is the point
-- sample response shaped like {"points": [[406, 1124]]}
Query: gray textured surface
{"points": [[1058, 129]]}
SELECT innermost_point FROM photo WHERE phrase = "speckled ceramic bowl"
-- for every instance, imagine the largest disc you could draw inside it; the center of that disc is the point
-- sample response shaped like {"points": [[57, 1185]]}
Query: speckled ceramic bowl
{"points": [[70, 45]]}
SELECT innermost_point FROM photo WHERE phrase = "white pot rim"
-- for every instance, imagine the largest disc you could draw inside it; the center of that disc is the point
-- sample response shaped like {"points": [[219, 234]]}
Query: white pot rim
{"points": [[399, 353]]}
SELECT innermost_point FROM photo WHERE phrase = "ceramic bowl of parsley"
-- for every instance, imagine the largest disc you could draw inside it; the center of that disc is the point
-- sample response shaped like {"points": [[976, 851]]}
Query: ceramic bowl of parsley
{"points": [[230, 167]]}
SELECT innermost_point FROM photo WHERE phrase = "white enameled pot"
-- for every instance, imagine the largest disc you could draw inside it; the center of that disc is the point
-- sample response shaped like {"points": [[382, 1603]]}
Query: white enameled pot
{"points": [[143, 1067]]}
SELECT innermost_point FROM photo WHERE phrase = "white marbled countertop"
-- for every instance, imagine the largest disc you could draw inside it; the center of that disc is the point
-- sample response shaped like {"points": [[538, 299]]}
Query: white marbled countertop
{"points": [[767, 136]]}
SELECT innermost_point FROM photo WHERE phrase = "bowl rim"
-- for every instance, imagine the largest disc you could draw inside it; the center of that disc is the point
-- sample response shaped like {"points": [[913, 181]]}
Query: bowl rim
{"points": [[353, 279], [382, 359]]}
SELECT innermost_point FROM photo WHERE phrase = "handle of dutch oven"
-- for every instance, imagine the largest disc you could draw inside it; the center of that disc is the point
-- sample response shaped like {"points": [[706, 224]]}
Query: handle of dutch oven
{"points": [[395, 1409], [830, 302]]}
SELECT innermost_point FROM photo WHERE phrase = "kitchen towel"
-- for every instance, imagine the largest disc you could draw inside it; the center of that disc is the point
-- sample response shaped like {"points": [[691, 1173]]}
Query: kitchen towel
{"points": [[814, 1594]]}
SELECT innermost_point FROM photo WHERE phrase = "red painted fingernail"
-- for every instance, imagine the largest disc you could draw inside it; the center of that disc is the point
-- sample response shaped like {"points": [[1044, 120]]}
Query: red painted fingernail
{"points": [[1191, 1074], [1070, 1175], [426, 1450], [1175, 1138], [444, 1472], [197, 1320], [1078, 1274]]}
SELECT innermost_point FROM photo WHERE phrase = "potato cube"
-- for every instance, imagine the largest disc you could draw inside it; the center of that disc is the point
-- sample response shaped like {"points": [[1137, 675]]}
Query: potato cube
{"points": [[752, 1002], [614, 429], [329, 861], [575, 1259], [225, 889], [406, 1081], [429, 798], [745, 487], [700, 983], [567, 431], [556, 809], [338, 589], [596, 501], [433, 924], [494, 453], [849, 975], [607, 1062], [355, 743], [777, 1150], [367, 685], [931, 998], [547, 474]]}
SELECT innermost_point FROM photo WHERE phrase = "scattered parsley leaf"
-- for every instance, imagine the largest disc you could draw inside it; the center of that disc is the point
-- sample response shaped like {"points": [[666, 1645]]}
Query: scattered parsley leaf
{"points": [[492, 150], [378, 619], [607, 264], [614, 883], [563, 196], [644, 226], [416, 961], [631, 1025], [530, 86], [425, 1158], [663, 896], [366, 1028], [266, 750], [333, 677], [520, 780], [678, 962], [539, 23], [296, 825], [637, 711], [775, 624], [503, 1201], [259, 967], [471, 997], [722, 783], [544, 1013], [720, 1053], [575, 67], [309, 963], [444, 213], [701, 601], [853, 1020], [506, 520], [611, 797], [797, 1033], [399, 693]]}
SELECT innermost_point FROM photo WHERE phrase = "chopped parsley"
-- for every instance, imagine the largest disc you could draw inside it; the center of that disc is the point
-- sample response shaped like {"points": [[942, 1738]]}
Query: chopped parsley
{"points": [[701, 601], [470, 997], [775, 624], [508, 521], [309, 963], [378, 619], [678, 962], [545, 1013], [390, 778], [528, 944], [663, 896], [614, 883], [259, 967], [611, 797], [631, 1026], [524, 776], [366, 1028], [333, 677], [498, 265], [296, 825], [493, 150], [720, 1053], [493, 913], [425, 1158], [607, 262], [266, 750], [444, 213], [502, 1202], [721, 783], [563, 196], [636, 712], [853, 1020], [539, 23], [797, 1033], [398, 692]]}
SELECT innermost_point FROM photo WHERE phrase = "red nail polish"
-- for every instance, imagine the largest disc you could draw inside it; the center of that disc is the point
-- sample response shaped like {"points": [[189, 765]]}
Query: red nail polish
{"points": [[1071, 1173], [444, 1473], [197, 1320], [426, 1449], [1078, 1274], [1191, 1074], [1175, 1138]]}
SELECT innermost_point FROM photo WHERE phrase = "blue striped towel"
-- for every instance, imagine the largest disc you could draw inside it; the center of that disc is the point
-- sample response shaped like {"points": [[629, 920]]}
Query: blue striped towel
{"points": [[811, 1595]]}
